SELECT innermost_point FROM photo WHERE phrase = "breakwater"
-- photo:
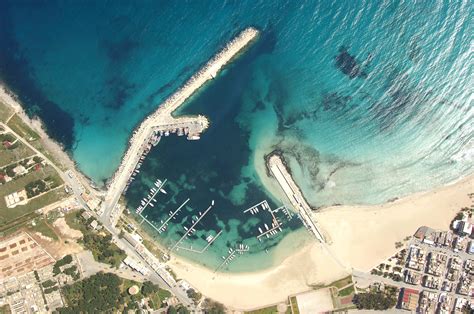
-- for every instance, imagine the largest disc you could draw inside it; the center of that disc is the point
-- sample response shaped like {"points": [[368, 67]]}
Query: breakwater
{"points": [[161, 122], [279, 171]]}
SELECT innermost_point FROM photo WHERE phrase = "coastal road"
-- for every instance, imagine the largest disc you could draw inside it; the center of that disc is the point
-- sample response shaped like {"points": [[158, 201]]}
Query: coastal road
{"points": [[129, 250], [75, 186]]}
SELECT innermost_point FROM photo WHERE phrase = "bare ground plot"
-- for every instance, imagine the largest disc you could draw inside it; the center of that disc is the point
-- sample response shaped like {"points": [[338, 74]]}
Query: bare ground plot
{"points": [[318, 301], [65, 230], [8, 215], [20, 254], [5, 112]]}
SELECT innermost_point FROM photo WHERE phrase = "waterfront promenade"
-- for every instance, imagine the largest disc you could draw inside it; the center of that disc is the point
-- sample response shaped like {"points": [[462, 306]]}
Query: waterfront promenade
{"points": [[281, 174], [162, 120]]}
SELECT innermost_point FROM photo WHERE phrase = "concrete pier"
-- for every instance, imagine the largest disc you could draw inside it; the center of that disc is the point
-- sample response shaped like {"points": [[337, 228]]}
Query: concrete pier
{"points": [[281, 174], [162, 120]]}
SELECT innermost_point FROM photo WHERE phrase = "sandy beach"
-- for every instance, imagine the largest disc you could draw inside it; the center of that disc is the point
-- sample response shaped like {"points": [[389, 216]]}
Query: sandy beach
{"points": [[360, 236]]}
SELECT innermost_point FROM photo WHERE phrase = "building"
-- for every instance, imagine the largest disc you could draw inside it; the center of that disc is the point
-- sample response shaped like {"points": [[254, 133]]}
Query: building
{"points": [[470, 249], [136, 265], [94, 224], [410, 299]]}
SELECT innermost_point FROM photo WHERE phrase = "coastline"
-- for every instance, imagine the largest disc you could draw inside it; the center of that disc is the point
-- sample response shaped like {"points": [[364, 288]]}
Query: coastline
{"points": [[361, 236], [58, 152], [299, 271]]}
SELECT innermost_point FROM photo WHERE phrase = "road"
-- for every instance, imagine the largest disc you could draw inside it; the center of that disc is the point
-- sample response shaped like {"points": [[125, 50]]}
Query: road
{"points": [[365, 279], [124, 245], [75, 185]]}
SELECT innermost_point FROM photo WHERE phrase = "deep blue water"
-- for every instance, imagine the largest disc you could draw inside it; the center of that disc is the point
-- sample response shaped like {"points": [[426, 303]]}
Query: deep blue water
{"points": [[368, 101]]}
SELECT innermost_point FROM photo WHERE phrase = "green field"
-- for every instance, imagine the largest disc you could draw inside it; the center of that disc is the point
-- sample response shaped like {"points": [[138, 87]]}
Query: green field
{"points": [[346, 291], [42, 227], [8, 156], [9, 214], [341, 282], [19, 127], [267, 310], [294, 305]]}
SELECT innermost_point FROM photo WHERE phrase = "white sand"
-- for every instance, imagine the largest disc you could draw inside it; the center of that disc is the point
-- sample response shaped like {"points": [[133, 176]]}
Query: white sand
{"points": [[361, 236], [364, 236]]}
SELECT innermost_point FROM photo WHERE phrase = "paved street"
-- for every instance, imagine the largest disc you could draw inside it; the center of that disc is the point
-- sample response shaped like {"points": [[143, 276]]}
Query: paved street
{"points": [[364, 279]]}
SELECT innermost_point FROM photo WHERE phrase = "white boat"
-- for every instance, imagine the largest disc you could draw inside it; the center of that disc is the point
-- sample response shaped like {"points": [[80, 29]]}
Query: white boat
{"points": [[163, 191], [260, 229], [266, 226], [212, 203]]}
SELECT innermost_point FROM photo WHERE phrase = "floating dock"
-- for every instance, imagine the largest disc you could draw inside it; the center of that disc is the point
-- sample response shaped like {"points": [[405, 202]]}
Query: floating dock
{"points": [[281, 174], [162, 121]]}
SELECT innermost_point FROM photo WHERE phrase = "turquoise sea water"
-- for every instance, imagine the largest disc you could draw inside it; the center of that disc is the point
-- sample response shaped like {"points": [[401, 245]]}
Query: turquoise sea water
{"points": [[368, 101]]}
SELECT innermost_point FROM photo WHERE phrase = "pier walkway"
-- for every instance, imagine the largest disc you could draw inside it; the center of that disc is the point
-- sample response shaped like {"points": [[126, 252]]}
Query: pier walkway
{"points": [[281, 174], [162, 121]]}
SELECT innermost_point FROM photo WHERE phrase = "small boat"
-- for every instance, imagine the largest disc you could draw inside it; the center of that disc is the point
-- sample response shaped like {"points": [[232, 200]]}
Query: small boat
{"points": [[212, 203], [163, 191], [260, 229]]}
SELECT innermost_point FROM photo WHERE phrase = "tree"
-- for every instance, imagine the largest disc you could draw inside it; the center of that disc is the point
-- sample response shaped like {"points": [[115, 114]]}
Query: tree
{"points": [[374, 301], [171, 310], [148, 288]]}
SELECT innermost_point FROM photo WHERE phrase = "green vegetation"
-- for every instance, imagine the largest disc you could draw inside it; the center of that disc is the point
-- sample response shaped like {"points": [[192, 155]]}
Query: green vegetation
{"points": [[98, 293], [48, 283], [74, 220], [50, 290], [346, 291], [376, 300], [107, 293], [177, 310], [6, 308], [103, 249], [8, 215], [212, 307], [341, 282], [13, 153], [153, 249], [63, 261], [294, 305], [20, 128], [194, 295], [99, 243], [267, 310], [42, 227]]}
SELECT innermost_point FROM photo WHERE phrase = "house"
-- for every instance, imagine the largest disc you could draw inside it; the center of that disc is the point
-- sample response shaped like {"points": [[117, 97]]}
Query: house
{"points": [[94, 224], [410, 299], [470, 249], [86, 215]]}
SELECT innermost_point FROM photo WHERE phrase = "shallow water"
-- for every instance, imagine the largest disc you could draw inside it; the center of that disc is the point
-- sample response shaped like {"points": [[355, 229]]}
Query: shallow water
{"points": [[368, 101]]}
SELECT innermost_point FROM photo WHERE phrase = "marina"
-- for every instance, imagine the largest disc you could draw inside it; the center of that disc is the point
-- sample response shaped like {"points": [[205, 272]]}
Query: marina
{"points": [[161, 122], [232, 253], [151, 197], [210, 239], [191, 229], [274, 225]]}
